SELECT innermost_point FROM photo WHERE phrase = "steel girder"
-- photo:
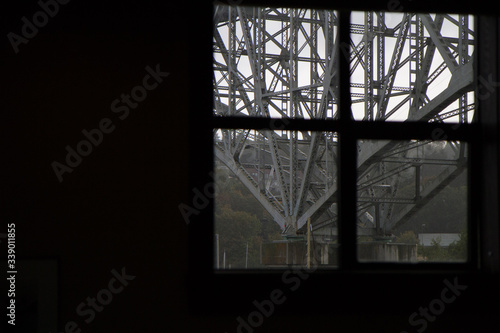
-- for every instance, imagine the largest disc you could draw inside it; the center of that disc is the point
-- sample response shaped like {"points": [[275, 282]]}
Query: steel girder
{"points": [[282, 63]]}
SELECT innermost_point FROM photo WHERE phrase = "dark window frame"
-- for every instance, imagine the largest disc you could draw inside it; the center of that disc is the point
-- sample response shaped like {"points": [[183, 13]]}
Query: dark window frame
{"points": [[209, 288]]}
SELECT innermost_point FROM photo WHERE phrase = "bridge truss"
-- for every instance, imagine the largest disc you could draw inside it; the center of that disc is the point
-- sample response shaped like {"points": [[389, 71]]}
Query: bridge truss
{"points": [[283, 63]]}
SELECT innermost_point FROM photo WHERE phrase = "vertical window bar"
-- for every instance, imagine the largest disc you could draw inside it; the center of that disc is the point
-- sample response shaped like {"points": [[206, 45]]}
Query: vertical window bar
{"points": [[489, 121], [347, 152]]}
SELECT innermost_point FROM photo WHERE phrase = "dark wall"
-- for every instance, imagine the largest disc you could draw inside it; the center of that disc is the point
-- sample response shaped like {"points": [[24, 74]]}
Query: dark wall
{"points": [[118, 208]]}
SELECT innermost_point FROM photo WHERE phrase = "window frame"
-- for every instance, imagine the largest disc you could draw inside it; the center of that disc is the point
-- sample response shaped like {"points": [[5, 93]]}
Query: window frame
{"points": [[209, 286]]}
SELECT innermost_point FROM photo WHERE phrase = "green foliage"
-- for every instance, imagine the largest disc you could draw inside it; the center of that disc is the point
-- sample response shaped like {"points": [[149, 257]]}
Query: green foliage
{"points": [[236, 229], [240, 220], [456, 251], [435, 252], [407, 237]]}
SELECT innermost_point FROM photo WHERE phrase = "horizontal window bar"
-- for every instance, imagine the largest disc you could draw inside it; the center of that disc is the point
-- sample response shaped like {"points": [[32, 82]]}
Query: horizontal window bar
{"points": [[366, 130]]}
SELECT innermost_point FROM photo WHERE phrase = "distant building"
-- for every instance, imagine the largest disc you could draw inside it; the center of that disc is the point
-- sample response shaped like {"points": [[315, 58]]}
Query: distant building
{"points": [[444, 239]]}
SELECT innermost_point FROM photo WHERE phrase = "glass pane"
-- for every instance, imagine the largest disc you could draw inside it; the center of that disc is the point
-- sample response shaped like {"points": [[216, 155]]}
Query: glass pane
{"points": [[275, 62], [412, 201], [270, 185], [412, 67]]}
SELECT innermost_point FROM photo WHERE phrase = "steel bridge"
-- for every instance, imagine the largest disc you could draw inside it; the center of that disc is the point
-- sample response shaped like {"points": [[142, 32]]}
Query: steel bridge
{"points": [[283, 63]]}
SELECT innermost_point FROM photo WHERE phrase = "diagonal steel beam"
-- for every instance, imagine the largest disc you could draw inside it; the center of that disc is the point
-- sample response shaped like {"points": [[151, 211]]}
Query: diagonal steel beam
{"points": [[250, 184], [437, 38], [461, 82], [427, 194]]}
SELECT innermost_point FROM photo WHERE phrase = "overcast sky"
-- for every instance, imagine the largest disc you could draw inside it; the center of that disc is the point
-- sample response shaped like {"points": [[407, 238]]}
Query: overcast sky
{"points": [[402, 77]]}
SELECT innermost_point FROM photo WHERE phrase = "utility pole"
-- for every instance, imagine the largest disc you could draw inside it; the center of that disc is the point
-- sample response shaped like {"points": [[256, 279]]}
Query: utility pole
{"points": [[308, 243], [246, 257], [217, 249]]}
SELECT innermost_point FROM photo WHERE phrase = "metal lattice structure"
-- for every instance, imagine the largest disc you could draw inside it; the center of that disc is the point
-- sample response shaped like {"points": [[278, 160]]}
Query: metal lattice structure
{"points": [[283, 63]]}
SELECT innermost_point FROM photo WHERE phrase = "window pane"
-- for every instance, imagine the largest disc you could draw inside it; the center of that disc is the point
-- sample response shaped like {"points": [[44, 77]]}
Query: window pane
{"points": [[412, 67], [268, 184], [275, 62], [412, 201]]}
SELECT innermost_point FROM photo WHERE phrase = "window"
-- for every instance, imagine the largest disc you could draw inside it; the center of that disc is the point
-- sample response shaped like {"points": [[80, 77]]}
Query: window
{"points": [[279, 193], [386, 166], [276, 63]]}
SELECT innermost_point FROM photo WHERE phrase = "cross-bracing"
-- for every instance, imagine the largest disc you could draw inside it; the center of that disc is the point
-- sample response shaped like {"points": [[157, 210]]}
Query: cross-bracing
{"points": [[283, 63]]}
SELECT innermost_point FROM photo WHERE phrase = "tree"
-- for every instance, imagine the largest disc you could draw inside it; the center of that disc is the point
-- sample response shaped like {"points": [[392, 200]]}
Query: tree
{"points": [[240, 220], [407, 237], [236, 229], [458, 249], [435, 252]]}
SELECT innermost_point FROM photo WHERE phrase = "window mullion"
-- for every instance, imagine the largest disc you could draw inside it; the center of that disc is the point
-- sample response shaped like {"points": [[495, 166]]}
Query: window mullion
{"points": [[347, 152], [488, 101]]}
